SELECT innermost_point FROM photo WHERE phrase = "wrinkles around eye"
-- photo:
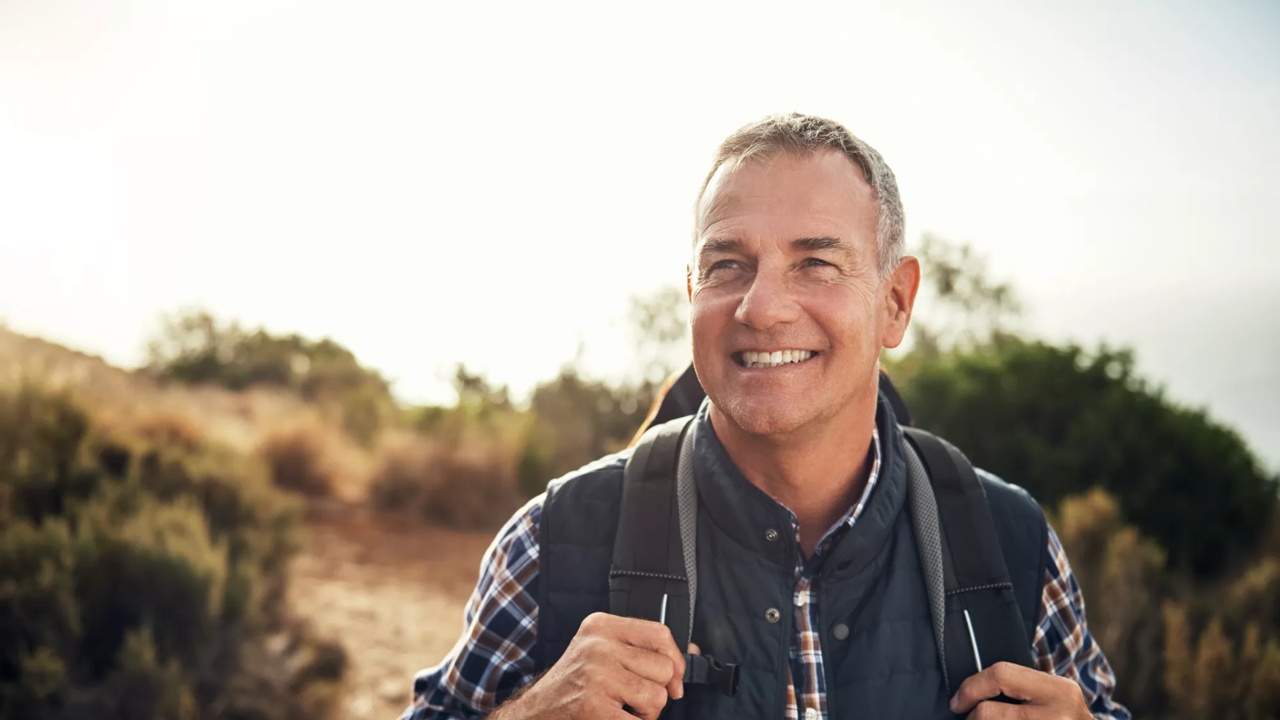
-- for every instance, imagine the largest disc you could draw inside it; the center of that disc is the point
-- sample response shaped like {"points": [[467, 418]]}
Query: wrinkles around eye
{"points": [[719, 268]]}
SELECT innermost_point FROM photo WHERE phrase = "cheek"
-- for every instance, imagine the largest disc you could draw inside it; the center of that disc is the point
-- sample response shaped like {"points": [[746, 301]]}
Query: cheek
{"points": [[710, 310], [849, 314], [705, 325]]}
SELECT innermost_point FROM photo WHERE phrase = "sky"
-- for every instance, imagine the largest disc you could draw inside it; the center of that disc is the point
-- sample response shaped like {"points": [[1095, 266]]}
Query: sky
{"points": [[488, 183]]}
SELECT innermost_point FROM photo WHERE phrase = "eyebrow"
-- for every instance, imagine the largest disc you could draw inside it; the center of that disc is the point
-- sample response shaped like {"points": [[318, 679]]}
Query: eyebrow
{"points": [[811, 244], [719, 245], [808, 244]]}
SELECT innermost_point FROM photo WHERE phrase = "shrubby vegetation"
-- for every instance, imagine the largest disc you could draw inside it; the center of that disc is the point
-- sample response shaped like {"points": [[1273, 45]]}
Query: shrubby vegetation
{"points": [[142, 574], [1062, 420], [194, 347]]}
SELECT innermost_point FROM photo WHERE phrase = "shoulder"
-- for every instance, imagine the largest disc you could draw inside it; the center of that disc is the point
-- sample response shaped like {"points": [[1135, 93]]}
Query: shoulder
{"points": [[592, 492], [1016, 513], [593, 477], [1023, 533], [1010, 502], [519, 540]]}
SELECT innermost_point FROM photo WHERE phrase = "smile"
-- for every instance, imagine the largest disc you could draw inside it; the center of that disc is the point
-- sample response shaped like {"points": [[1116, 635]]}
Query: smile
{"points": [[777, 358]]}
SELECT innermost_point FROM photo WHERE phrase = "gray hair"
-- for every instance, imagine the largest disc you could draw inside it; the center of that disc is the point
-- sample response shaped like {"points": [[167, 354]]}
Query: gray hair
{"points": [[804, 134]]}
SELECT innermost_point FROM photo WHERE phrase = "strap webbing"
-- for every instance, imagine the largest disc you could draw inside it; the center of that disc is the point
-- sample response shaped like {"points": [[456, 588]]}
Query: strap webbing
{"points": [[657, 539], [645, 577], [924, 520], [687, 508], [983, 624]]}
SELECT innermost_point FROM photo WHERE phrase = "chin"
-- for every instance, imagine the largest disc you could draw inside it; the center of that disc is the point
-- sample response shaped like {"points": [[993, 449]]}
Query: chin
{"points": [[764, 418]]}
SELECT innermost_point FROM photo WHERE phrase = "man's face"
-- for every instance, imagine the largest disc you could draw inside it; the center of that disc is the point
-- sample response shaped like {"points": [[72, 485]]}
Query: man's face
{"points": [[788, 309]]}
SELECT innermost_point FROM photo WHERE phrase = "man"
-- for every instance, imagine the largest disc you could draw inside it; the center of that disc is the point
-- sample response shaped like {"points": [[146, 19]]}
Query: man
{"points": [[797, 282]]}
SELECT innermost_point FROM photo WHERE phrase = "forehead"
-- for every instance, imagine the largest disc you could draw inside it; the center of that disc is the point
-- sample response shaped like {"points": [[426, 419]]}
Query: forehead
{"points": [[789, 193]]}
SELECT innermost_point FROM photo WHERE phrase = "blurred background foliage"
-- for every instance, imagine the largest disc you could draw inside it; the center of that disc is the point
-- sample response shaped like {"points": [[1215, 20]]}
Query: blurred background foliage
{"points": [[143, 579], [1168, 517], [144, 547]]}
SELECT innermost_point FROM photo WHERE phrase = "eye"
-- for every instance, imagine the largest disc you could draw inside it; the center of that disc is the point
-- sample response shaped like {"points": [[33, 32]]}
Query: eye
{"points": [[815, 262], [723, 265]]}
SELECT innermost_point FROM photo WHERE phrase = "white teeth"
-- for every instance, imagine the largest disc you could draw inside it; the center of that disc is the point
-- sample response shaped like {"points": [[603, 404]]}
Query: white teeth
{"points": [[781, 357]]}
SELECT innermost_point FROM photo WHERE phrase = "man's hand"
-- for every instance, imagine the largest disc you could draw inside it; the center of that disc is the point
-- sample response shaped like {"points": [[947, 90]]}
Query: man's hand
{"points": [[612, 662], [1043, 696]]}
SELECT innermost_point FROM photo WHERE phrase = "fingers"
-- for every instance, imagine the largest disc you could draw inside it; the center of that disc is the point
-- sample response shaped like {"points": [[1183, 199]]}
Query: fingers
{"points": [[650, 665], [992, 710], [1033, 687], [642, 634], [999, 678], [645, 699]]}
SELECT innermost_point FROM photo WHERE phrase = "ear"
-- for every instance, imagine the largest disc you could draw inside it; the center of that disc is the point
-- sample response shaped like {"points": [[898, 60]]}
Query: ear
{"points": [[900, 298]]}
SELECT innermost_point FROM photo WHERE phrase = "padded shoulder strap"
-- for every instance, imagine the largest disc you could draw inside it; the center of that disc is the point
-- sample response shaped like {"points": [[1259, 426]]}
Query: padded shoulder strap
{"points": [[654, 571], [983, 624], [647, 576]]}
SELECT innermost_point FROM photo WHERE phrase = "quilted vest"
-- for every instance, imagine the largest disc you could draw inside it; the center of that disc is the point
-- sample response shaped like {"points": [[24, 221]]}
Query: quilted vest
{"points": [[882, 663]]}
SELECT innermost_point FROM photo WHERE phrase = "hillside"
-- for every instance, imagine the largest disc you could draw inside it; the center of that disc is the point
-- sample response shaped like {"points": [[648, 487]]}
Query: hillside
{"points": [[390, 592]]}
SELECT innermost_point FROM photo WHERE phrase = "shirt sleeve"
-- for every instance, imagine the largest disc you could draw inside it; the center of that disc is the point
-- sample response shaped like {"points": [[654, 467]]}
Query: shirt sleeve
{"points": [[494, 656], [1063, 644]]}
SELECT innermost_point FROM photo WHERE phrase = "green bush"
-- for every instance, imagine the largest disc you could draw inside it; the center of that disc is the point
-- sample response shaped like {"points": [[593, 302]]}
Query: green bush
{"points": [[138, 579], [1059, 421]]}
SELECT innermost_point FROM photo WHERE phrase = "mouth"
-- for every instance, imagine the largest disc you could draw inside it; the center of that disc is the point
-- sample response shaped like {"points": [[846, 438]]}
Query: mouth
{"points": [[776, 358]]}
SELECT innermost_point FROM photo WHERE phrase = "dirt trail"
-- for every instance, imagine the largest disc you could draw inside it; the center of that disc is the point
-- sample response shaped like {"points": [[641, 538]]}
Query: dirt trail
{"points": [[391, 592]]}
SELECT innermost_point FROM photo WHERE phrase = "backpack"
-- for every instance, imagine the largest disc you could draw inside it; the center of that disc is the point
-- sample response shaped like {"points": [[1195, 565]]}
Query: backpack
{"points": [[653, 572]]}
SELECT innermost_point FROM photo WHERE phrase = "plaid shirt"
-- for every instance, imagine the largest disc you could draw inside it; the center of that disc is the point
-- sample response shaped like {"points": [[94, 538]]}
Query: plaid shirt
{"points": [[494, 657]]}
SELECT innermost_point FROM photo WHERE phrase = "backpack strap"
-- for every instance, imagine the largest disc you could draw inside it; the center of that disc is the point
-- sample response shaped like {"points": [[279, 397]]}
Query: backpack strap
{"points": [[982, 624], [928, 534], [654, 571], [647, 577]]}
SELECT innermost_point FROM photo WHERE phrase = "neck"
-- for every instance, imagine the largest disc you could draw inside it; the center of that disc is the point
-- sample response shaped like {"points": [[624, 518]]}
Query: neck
{"points": [[818, 473]]}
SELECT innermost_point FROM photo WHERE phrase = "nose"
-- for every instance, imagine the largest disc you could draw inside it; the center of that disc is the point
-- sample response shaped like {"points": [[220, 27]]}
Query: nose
{"points": [[767, 302]]}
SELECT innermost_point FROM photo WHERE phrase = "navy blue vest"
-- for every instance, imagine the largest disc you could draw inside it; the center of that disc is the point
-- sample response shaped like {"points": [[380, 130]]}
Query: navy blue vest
{"points": [[885, 666]]}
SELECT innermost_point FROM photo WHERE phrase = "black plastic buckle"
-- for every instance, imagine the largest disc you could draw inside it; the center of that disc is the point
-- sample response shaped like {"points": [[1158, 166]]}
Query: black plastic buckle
{"points": [[706, 670]]}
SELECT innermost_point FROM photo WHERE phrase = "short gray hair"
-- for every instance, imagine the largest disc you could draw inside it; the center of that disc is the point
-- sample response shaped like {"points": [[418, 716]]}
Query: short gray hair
{"points": [[804, 134]]}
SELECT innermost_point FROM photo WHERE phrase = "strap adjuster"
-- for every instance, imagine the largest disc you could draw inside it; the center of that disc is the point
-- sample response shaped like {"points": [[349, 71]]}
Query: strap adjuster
{"points": [[706, 670]]}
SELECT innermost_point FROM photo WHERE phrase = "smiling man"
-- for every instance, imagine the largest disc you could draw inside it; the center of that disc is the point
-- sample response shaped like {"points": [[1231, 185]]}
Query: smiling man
{"points": [[808, 571]]}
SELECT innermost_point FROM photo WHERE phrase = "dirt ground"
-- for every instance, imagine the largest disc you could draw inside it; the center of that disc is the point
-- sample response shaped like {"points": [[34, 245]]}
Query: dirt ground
{"points": [[391, 592]]}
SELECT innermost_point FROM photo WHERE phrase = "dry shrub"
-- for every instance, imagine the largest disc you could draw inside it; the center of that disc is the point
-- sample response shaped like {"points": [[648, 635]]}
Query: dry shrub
{"points": [[1216, 676], [301, 459], [464, 484], [170, 430], [1122, 576]]}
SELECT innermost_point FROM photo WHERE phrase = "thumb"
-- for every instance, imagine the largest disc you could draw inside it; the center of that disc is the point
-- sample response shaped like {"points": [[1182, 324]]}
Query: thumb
{"points": [[694, 649]]}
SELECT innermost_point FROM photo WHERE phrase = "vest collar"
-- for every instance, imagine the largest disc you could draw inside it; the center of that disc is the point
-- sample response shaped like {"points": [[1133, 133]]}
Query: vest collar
{"points": [[746, 513]]}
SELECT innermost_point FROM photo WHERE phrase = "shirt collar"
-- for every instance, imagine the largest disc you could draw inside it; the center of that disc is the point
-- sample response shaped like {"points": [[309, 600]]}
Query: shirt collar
{"points": [[855, 511]]}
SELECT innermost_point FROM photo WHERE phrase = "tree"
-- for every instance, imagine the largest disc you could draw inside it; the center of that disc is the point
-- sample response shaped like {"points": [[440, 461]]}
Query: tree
{"points": [[659, 333], [959, 304]]}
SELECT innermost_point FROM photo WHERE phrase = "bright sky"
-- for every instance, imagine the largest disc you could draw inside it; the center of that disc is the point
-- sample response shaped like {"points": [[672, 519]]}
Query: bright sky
{"points": [[488, 183]]}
